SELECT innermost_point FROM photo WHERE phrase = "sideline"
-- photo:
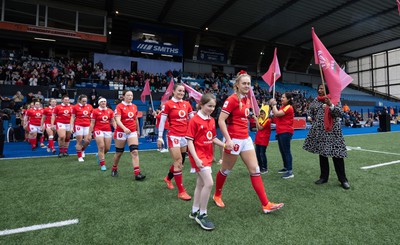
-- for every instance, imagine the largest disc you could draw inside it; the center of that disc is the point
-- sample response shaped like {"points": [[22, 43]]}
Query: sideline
{"points": [[56, 157], [380, 165], [39, 227]]}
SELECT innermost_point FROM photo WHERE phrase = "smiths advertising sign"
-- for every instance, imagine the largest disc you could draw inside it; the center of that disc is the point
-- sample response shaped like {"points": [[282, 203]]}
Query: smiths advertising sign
{"points": [[152, 39], [149, 47]]}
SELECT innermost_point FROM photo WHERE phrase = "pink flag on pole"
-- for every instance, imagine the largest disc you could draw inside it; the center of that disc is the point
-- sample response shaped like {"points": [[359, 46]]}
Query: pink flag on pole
{"points": [[336, 79], [192, 93], [254, 104], [168, 92], [268, 77], [146, 91]]}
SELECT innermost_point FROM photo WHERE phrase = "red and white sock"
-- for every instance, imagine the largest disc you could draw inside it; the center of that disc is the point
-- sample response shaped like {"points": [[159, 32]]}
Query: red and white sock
{"points": [[219, 183], [178, 181], [51, 142], [258, 186]]}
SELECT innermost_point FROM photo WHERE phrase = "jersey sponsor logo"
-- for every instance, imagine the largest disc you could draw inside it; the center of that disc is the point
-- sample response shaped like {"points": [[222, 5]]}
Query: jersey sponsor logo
{"points": [[38, 114], [104, 118], [130, 114], [247, 112], [182, 113], [66, 112], [85, 113], [209, 135], [226, 104], [236, 147]]}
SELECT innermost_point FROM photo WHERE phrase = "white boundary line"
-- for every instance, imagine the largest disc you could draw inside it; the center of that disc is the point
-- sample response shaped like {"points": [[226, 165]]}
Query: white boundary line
{"points": [[381, 164], [39, 227], [382, 152]]}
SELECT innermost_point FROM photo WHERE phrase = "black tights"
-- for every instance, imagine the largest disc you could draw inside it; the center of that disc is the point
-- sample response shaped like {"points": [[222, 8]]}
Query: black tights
{"points": [[339, 168]]}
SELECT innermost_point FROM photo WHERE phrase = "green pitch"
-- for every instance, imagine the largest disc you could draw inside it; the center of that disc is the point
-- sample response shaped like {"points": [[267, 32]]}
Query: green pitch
{"points": [[123, 211]]}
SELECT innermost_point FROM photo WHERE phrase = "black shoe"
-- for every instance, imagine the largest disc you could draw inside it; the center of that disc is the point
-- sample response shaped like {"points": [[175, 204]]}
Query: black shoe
{"points": [[345, 185], [320, 181], [140, 177], [66, 154], [60, 155], [114, 173]]}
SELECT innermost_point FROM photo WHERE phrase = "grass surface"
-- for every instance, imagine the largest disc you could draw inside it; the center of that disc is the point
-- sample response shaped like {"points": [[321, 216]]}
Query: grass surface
{"points": [[123, 211]]}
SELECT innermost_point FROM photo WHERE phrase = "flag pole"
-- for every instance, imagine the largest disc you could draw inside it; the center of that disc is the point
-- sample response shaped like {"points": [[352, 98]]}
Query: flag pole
{"points": [[273, 93], [322, 78], [151, 101]]}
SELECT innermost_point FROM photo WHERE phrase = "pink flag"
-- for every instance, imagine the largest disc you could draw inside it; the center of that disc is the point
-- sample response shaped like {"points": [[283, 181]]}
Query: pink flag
{"points": [[192, 93], [268, 77], [146, 91], [168, 92], [398, 5], [254, 104], [336, 79]]}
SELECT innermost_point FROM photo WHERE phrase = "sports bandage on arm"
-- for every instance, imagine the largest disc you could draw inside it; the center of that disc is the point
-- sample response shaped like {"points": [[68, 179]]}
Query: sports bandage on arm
{"points": [[163, 119]]}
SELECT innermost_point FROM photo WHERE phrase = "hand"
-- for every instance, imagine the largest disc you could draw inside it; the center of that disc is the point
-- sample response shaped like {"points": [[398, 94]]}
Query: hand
{"points": [[138, 134], [199, 163], [127, 131], [328, 101], [160, 143], [272, 102], [229, 145]]}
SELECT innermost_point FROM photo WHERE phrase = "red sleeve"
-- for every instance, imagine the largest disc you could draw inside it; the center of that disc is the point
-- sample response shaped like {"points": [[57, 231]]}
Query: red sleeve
{"points": [[191, 131], [117, 110], [229, 105]]}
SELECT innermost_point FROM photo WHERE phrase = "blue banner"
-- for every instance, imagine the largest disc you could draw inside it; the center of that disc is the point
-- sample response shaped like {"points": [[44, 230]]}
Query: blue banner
{"points": [[156, 39], [154, 47], [211, 54]]}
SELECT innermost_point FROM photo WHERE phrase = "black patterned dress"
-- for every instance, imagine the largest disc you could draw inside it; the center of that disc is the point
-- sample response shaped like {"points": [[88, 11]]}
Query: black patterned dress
{"points": [[319, 141]]}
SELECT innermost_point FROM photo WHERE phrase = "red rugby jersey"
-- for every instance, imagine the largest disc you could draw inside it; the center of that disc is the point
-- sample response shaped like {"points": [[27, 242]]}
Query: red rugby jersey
{"points": [[34, 116], [63, 113], [177, 113], [128, 113], [202, 131], [82, 114], [48, 112], [102, 119], [237, 121]]}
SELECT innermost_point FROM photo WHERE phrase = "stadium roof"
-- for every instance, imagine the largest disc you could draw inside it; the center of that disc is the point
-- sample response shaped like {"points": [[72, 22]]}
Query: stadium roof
{"points": [[351, 28]]}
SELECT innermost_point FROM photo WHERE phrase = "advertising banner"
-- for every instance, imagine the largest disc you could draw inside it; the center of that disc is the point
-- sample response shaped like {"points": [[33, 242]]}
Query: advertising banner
{"points": [[212, 55], [152, 39]]}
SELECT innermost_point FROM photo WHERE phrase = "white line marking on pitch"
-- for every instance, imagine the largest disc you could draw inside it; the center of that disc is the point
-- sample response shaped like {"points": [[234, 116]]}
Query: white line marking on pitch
{"points": [[380, 165], [360, 149], [39, 227]]}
